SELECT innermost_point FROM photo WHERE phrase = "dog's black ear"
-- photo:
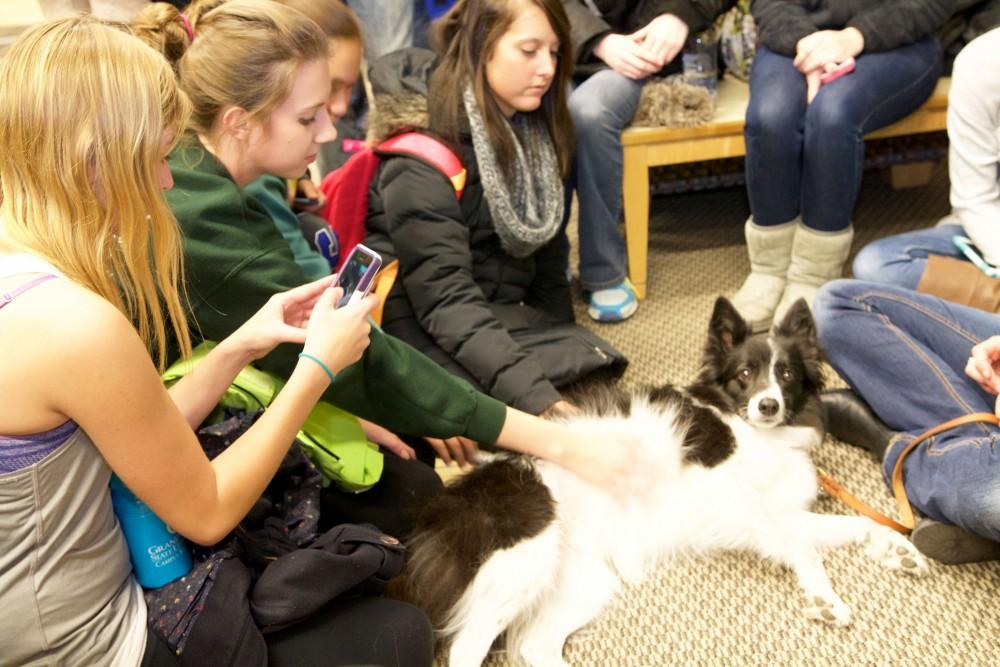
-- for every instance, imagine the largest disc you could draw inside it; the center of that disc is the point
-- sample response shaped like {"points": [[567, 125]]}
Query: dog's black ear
{"points": [[727, 327], [798, 323]]}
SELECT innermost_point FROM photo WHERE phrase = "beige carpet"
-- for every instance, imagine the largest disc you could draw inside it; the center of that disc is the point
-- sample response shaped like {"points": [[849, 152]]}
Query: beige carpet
{"points": [[734, 609]]}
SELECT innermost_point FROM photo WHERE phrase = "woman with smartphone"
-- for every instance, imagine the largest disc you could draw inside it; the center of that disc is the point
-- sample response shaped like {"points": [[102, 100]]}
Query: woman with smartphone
{"points": [[483, 287], [805, 138], [90, 273], [256, 74]]}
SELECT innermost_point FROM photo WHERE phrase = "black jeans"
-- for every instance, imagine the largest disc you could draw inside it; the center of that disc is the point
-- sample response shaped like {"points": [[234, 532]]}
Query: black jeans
{"points": [[362, 631], [392, 504]]}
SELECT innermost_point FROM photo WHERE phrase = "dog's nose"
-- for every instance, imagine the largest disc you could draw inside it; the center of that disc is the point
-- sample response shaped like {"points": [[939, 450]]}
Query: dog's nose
{"points": [[768, 407]]}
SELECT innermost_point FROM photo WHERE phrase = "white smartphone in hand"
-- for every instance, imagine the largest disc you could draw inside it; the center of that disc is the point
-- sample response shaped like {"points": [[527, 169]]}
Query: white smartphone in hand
{"points": [[357, 274]]}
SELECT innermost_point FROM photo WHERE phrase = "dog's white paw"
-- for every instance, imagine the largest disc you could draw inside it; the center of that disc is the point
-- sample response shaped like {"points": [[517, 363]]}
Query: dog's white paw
{"points": [[825, 609], [542, 656], [894, 552]]}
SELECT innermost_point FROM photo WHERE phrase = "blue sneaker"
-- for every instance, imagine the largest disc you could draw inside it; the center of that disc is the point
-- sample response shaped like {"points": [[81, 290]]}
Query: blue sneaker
{"points": [[613, 304]]}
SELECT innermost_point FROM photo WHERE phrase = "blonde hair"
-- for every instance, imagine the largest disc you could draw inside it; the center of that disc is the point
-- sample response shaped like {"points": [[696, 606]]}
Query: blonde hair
{"points": [[245, 54], [332, 16], [83, 109], [160, 25]]}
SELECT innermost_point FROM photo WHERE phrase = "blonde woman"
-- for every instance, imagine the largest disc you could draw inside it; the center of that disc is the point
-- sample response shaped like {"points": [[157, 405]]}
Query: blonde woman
{"points": [[90, 263]]}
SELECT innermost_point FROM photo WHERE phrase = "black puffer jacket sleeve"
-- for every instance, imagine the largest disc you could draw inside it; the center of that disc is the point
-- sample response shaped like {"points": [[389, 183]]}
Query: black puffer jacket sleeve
{"points": [[425, 223]]}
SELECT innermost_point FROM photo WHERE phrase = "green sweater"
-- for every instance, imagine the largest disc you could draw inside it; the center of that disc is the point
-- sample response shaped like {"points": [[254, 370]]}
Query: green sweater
{"points": [[271, 192], [235, 260]]}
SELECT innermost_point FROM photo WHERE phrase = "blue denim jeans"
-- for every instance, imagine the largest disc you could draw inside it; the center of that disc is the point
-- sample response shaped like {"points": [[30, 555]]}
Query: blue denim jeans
{"points": [[601, 106], [900, 260], [807, 159], [905, 352]]}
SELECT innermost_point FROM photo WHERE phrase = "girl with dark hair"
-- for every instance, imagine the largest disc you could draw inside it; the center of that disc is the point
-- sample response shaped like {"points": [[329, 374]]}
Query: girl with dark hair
{"points": [[483, 285]]}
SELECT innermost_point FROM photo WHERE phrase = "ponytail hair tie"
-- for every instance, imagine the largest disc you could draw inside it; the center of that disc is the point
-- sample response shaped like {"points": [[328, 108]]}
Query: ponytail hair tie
{"points": [[187, 27]]}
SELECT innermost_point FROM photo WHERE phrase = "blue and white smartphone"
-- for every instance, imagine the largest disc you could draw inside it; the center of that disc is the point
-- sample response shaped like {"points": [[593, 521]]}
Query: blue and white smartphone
{"points": [[971, 252], [357, 275]]}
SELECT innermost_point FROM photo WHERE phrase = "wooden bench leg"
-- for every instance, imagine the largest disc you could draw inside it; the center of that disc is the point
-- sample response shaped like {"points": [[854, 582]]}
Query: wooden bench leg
{"points": [[911, 174], [635, 195]]}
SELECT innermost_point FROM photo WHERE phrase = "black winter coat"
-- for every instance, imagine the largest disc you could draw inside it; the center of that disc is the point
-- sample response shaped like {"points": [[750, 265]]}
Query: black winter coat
{"points": [[504, 324], [885, 24], [626, 17]]}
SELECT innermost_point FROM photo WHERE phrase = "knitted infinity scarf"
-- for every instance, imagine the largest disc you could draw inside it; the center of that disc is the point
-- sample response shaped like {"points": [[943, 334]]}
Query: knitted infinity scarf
{"points": [[528, 212]]}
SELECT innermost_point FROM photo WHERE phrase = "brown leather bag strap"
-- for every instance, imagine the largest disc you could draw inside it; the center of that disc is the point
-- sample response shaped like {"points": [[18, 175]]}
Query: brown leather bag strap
{"points": [[836, 490], [898, 489]]}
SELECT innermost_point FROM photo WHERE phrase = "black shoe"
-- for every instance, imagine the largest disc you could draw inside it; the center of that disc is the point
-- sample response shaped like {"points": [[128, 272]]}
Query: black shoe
{"points": [[848, 418], [952, 545]]}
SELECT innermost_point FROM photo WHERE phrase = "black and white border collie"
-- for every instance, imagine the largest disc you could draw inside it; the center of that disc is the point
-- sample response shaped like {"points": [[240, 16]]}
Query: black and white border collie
{"points": [[523, 546]]}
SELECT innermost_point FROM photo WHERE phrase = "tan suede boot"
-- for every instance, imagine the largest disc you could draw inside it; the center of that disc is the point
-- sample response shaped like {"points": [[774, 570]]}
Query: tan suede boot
{"points": [[770, 250], [817, 258]]}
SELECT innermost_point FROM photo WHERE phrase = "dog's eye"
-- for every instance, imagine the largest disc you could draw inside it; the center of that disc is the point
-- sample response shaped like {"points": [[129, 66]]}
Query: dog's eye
{"points": [[744, 374], [787, 375]]}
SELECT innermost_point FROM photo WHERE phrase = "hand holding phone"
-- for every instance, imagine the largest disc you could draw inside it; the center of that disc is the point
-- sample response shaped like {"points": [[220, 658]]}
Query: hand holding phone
{"points": [[357, 275], [840, 70]]}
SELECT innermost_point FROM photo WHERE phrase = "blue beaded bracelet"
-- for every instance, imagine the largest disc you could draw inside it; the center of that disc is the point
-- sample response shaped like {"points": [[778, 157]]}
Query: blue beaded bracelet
{"points": [[303, 355]]}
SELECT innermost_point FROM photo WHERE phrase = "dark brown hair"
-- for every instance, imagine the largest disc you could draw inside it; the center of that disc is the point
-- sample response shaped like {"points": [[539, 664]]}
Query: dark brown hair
{"points": [[465, 39]]}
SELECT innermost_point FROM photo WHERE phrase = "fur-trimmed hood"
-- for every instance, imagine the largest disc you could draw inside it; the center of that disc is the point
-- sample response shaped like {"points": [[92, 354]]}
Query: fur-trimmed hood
{"points": [[399, 85], [396, 113]]}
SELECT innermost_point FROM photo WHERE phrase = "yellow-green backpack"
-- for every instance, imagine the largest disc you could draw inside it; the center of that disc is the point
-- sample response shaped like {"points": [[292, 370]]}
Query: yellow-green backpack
{"points": [[331, 438]]}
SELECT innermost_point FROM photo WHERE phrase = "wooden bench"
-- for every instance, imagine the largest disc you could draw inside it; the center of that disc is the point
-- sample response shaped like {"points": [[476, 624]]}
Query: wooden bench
{"points": [[648, 147]]}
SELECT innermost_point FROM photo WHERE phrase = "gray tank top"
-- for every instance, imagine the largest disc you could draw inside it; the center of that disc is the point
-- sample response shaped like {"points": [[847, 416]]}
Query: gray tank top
{"points": [[67, 593]]}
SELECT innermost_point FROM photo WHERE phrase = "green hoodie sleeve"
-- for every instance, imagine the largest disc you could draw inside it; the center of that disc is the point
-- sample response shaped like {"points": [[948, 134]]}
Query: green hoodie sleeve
{"points": [[270, 192], [235, 260]]}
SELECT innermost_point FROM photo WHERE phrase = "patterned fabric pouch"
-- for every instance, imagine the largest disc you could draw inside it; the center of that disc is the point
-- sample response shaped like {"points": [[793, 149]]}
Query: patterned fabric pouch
{"points": [[738, 35]]}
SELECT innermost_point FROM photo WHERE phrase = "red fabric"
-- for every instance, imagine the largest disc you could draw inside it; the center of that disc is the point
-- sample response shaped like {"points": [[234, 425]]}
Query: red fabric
{"points": [[428, 149], [346, 190]]}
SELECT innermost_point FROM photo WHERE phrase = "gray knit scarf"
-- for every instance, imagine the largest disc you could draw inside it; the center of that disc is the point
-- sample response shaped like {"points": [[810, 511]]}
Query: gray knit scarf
{"points": [[528, 212]]}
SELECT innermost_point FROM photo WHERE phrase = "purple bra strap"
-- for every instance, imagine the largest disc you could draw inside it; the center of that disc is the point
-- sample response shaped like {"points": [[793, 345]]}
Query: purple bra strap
{"points": [[7, 297]]}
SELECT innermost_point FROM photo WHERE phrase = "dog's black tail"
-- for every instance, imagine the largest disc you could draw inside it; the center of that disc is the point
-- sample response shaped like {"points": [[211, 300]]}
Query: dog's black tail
{"points": [[492, 507]]}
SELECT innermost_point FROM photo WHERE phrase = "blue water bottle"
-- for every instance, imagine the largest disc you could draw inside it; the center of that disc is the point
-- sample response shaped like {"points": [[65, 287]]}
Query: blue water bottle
{"points": [[159, 555]]}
